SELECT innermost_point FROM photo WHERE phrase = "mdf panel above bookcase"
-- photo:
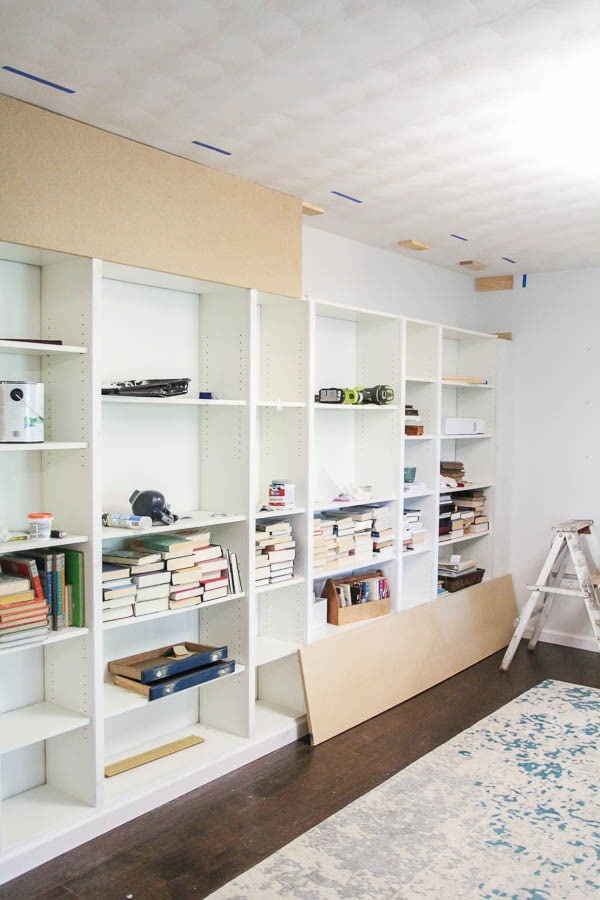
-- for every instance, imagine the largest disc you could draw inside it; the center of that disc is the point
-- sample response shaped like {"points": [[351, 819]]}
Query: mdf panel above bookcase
{"points": [[118, 200]]}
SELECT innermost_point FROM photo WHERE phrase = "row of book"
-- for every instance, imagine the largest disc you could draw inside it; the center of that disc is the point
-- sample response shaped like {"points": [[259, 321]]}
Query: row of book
{"points": [[351, 537], [462, 514], [162, 572], [275, 553], [456, 573], [40, 590]]}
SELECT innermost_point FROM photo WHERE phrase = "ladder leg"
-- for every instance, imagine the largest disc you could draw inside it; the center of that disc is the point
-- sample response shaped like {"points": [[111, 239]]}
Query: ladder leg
{"points": [[562, 561], [534, 598]]}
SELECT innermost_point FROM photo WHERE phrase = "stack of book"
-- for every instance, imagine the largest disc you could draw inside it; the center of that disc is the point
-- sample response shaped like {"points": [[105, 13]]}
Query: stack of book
{"points": [[471, 506], [454, 575], [275, 553], [23, 611], [324, 545], [452, 468], [415, 534], [412, 421], [343, 532], [445, 517], [59, 574], [363, 541], [118, 591], [382, 529]]}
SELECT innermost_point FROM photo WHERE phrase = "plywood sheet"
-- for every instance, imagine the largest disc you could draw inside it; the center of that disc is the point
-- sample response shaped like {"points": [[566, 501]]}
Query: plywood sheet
{"points": [[68, 186], [360, 673]]}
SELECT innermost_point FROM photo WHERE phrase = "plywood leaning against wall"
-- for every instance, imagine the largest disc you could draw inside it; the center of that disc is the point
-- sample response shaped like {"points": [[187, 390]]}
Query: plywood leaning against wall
{"points": [[366, 670], [68, 186]]}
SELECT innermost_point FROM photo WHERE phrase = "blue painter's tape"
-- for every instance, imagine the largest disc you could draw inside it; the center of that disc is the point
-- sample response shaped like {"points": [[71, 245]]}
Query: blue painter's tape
{"points": [[52, 84], [524, 281], [212, 147], [346, 196], [459, 237], [508, 259]]}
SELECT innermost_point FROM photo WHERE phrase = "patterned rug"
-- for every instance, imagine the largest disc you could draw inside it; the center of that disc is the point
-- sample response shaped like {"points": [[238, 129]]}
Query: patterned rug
{"points": [[510, 808]]}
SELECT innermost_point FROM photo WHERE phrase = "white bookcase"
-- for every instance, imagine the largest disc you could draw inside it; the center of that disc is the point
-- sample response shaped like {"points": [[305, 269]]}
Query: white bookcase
{"points": [[62, 719]]}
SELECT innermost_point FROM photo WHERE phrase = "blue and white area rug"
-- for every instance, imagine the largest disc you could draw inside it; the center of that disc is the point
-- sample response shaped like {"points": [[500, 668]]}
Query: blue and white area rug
{"points": [[510, 808]]}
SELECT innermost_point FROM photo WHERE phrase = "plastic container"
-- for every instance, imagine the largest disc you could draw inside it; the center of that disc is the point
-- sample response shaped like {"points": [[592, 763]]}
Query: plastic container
{"points": [[122, 520], [40, 524]]}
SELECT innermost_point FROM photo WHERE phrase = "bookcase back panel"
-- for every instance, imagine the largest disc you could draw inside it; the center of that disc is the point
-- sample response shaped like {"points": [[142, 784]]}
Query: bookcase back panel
{"points": [[422, 350], [279, 685], [424, 398], [149, 725], [21, 678], [172, 433], [468, 355], [20, 288], [282, 613], [21, 770], [223, 459], [282, 450], [140, 341], [20, 488], [335, 353], [417, 578], [283, 350]]}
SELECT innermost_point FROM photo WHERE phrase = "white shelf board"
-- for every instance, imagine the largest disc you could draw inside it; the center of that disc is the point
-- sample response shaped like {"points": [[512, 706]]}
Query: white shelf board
{"points": [[280, 584], [216, 747], [269, 649], [281, 404], [417, 494], [270, 719], [466, 384], [31, 724], [419, 437], [473, 486], [33, 348], [180, 400], [38, 812], [418, 551], [345, 504], [29, 544], [421, 379], [44, 445], [135, 620], [199, 518], [365, 407], [279, 513], [466, 537], [118, 700], [378, 559], [466, 437], [52, 637]]}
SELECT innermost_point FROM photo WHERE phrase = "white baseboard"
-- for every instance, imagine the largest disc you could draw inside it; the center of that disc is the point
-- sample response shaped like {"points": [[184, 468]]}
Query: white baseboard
{"points": [[579, 641]]}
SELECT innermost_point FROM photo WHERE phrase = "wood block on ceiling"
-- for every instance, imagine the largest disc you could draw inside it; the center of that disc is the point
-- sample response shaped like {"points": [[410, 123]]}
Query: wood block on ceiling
{"points": [[472, 264], [413, 245], [494, 283], [504, 335], [309, 209], [363, 671]]}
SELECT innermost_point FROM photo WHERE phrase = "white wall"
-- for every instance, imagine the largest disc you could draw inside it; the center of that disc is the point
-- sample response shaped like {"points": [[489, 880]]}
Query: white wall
{"points": [[339, 270], [555, 323]]}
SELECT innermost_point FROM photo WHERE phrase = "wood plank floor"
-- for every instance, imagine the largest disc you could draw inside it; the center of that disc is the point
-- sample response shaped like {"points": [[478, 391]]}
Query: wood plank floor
{"points": [[198, 842]]}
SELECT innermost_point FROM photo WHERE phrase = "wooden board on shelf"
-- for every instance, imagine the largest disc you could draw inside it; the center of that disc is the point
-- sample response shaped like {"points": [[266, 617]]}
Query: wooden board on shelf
{"points": [[140, 759], [403, 655]]}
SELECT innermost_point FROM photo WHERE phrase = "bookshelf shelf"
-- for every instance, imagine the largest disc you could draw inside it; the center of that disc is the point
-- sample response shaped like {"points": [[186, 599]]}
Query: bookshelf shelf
{"points": [[38, 722], [197, 519], [184, 400], [291, 582], [269, 649], [466, 537], [30, 544], [44, 446], [31, 348], [169, 613], [34, 813]]}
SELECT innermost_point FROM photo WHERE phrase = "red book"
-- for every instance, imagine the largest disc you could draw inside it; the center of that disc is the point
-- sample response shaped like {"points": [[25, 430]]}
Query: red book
{"points": [[27, 567]]}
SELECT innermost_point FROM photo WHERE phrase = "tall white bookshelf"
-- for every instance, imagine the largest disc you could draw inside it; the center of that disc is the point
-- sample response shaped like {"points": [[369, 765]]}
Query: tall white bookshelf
{"points": [[263, 357]]}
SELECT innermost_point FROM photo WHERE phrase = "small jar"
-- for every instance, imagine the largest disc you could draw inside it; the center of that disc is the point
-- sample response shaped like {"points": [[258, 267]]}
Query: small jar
{"points": [[40, 524]]}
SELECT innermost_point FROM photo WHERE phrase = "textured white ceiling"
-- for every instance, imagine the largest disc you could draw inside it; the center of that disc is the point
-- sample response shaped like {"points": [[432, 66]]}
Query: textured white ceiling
{"points": [[443, 116]]}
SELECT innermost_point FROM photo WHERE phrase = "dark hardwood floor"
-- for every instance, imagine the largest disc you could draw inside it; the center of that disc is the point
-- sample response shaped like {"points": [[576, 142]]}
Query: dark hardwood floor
{"points": [[198, 842]]}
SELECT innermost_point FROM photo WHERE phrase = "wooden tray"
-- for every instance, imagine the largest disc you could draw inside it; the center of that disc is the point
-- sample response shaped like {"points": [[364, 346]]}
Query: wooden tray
{"points": [[154, 665]]}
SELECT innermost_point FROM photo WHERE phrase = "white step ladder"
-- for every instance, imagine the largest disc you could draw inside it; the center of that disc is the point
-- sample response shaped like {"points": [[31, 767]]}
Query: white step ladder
{"points": [[567, 546]]}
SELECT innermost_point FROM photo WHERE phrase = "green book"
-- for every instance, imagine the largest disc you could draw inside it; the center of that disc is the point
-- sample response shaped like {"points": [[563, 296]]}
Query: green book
{"points": [[74, 575]]}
